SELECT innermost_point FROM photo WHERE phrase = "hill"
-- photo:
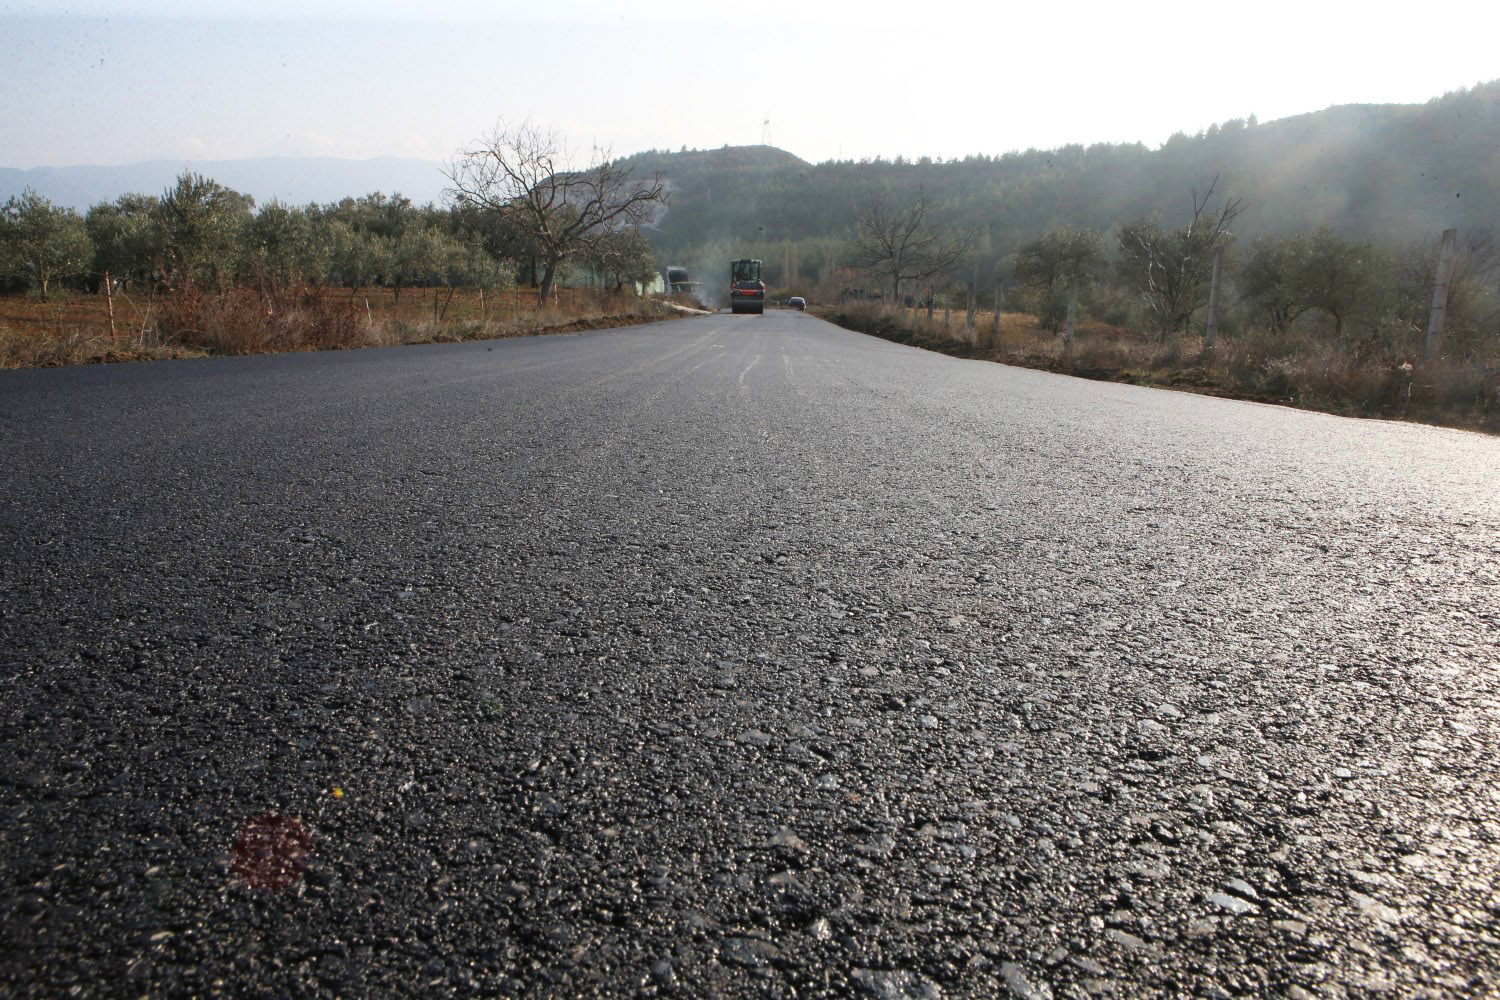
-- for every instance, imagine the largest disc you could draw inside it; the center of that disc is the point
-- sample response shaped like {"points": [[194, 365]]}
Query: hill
{"points": [[1391, 172]]}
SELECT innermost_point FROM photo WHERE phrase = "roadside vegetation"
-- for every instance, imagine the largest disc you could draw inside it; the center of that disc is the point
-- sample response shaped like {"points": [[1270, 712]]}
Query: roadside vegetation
{"points": [[201, 270], [74, 327], [1291, 369], [1405, 330]]}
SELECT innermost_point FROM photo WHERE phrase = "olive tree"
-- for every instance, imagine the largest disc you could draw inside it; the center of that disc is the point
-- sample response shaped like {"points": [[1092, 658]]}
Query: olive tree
{"points": [[40, 242], [1055, 261], [624, 256], [356, 257], [200, 226], [283, 246], [1347, 279], [121, 235], [1270, 280]]}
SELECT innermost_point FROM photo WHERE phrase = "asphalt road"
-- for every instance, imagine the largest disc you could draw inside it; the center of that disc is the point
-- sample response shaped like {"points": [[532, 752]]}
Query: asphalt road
{"points": [[736, 656]]}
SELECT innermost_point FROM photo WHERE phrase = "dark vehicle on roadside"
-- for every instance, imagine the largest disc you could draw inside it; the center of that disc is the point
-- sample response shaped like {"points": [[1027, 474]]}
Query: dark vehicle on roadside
{"points": [[747, 291], [797, 302], [679, 282]]}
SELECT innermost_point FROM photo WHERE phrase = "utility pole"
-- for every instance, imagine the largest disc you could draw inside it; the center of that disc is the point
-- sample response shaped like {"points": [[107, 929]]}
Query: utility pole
{"points": [[1439, 314]]}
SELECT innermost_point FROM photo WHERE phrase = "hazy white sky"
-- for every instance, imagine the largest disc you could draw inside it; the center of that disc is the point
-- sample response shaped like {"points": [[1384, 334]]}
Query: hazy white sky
{"points": [[118, 81]]}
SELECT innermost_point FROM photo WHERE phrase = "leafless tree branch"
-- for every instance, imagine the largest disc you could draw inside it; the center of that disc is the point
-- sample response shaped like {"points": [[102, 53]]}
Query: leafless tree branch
{"points": [[525, 175]]}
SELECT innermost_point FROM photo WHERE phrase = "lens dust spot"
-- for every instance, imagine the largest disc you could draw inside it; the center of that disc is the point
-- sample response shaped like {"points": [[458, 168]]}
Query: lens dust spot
{"points": [[270, 851]]}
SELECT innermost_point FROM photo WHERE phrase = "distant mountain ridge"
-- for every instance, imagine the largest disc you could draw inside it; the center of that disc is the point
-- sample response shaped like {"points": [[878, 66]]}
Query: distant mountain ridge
{"points": [[294, 180]]}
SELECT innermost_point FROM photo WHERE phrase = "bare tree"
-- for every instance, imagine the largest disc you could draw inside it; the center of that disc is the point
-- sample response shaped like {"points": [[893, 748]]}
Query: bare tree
{"points": [[525, 175], [1171, 266], [901, 243]]}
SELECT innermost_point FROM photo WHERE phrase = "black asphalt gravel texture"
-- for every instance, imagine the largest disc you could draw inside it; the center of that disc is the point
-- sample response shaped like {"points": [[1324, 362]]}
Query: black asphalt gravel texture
{"points": [[738, 656]]}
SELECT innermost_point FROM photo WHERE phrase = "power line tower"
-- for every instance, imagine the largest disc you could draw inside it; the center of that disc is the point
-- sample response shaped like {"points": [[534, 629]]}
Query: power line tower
{"points": [[765, 132]]}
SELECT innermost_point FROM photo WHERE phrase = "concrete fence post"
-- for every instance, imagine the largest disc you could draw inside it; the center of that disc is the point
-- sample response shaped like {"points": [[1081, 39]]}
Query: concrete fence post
{"points": [[973, 302], [995, 321], [1072, 317], [1213, 300], [1439, 314]]}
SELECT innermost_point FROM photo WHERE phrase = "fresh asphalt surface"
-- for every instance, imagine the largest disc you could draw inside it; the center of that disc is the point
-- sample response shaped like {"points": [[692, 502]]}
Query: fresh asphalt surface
{"points": [[738, 656]]}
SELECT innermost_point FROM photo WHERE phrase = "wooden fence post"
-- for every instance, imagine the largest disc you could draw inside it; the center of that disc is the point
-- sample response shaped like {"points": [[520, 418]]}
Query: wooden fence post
{"points": [[109, 298]]}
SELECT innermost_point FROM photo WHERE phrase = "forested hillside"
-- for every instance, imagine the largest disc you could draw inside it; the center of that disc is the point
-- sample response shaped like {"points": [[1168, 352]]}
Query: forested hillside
{"points": [[1386, 172]]}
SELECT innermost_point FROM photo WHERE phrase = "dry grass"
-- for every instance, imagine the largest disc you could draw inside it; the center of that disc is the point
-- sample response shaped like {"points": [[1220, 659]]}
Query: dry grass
{"points": [[1353, 377], [75, 329]]}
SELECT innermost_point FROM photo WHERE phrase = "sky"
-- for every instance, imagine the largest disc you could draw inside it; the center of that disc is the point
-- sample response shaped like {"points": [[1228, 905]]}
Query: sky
{"points": [[122, 81]]}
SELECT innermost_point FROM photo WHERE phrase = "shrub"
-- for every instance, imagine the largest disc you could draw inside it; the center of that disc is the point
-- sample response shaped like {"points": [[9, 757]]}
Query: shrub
{"points": [[249, 321]]}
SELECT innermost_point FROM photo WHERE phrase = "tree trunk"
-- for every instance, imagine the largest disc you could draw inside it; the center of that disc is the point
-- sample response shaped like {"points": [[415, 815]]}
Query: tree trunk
{"points": [[548, 273]]}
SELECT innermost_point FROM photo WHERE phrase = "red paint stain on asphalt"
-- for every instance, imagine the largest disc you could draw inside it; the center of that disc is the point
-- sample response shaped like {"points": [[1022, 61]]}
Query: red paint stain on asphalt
{"points": [[270, 851]]}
